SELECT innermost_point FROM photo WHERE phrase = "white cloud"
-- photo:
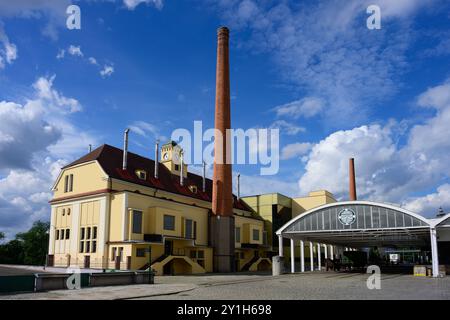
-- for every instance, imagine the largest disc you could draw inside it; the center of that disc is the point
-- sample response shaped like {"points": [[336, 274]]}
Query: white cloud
{"points": [[430, 203], [306, 107], [143, 128], [53, 11], [93, 61], [323, 48], [385, 171], [287, 127], [132, 4], [9, 51], [37, 138], [295, 150], [75, 51], [61, 54], [107, 71]]}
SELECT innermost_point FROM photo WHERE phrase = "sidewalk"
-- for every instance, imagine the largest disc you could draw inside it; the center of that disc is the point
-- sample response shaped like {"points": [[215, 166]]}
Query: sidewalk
{"points": [[105, 293]]}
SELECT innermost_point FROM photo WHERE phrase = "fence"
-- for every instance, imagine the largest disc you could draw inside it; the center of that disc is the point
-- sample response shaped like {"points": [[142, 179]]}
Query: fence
{"points": [[58, 281]]}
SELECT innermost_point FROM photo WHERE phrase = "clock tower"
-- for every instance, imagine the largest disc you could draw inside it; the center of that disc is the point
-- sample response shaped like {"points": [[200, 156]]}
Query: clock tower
{"points": [[171, 158]]}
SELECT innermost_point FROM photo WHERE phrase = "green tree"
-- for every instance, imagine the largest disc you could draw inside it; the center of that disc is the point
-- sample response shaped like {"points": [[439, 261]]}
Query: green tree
{"points": [[35, 243], [12, 252], [2, 236]]}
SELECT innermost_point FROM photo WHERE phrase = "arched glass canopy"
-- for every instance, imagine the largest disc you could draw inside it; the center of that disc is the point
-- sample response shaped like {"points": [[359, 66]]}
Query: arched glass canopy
{"points": [[358, 222]]}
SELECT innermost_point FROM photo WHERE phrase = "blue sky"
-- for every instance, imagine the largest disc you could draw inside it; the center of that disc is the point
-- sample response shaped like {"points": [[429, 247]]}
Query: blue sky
{"points": [[334, 88]]}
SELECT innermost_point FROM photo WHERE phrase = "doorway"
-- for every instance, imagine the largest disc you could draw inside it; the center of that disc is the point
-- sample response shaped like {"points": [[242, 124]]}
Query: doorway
{"points": [[87, 262], [168, 247]]}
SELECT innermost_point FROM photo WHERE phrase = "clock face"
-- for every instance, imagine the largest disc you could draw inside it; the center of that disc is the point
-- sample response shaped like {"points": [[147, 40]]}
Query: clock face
{"points": [[165, 156], [175, 156]]}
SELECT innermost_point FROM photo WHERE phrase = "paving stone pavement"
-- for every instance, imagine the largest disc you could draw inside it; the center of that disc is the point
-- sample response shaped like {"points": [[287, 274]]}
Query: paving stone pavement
{"points": [[299, 286], [322, 285]]}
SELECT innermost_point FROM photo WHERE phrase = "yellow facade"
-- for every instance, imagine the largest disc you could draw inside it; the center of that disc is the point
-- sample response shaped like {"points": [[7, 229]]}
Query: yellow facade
{"points": [[277, 209], [313, 200], [113, 224]]}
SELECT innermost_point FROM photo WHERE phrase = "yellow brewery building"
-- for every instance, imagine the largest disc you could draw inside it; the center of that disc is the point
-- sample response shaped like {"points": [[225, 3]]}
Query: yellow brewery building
{"points": [[114, 209]]}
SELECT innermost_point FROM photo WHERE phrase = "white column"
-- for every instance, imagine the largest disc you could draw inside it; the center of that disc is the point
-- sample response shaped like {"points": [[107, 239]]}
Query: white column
{"points": [[51, 235], [292, 257], [311, 255], [325, 250], [434, 252], [319, 267], [280, 245], [74, 235], [332, 252], [103, 228], [302, 256]]}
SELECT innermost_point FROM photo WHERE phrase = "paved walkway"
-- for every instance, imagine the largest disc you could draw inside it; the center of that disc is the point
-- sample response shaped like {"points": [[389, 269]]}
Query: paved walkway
{"points": [[316, 285]]}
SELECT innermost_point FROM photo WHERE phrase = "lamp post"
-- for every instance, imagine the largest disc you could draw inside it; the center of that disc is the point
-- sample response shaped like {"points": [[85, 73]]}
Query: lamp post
{"points": [[48, 247]]}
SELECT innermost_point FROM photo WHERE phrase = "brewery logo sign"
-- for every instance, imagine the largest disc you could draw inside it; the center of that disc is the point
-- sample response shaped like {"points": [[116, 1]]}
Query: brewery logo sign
{"points": [[347, 216]]}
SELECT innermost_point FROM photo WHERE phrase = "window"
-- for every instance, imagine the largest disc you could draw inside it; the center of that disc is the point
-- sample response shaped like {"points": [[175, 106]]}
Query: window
{"points": [[67, 233], [238, 234], [140, 252], [193, 188], [64, 212], [94, 233], [169, 222], [201, 254], [68, 183], [242, 255], [265, 238], [177, 167], [141, 174], [57, 234], [137, 221], [82, 234], [68, 212], [71, 183], [193, 254], [94, 246], [88, 236], [62, 234], [255, 234], [113, 254], [121, 253], [81, 246], [188, 228], [88, 246]]}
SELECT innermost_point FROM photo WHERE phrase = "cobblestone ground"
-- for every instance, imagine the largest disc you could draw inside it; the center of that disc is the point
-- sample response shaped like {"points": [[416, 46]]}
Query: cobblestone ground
{"points": [[313, 286]]}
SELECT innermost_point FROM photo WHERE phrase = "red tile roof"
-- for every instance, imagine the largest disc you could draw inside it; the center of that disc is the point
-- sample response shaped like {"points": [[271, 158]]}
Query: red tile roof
{"points": [[110, 159]]}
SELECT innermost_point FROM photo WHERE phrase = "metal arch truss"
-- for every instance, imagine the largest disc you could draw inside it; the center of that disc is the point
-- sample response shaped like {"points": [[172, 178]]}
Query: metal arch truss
{"points": [[365, 237]]}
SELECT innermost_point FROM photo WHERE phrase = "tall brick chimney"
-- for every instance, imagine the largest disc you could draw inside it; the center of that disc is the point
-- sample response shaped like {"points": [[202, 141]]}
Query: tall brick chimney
{"points": [[222, 219], [352, 183]]}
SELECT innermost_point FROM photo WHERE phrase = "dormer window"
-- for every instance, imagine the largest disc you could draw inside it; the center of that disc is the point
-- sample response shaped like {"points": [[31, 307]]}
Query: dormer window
{"points": [[141, 174], [68, 183], [193, 188], [177, 167]]}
